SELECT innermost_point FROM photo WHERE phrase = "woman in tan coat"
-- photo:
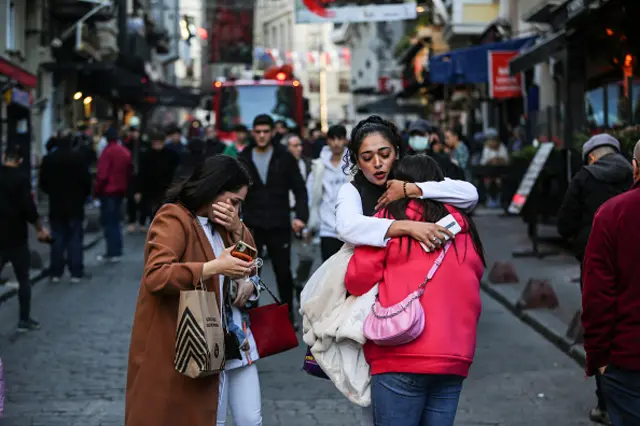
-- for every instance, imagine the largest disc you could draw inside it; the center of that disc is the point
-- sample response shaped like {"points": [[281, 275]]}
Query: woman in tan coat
{"points": [[178, 254]]}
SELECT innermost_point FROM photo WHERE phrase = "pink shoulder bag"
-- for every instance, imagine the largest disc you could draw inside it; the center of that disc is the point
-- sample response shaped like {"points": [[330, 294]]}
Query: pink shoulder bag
{"points": [[403, 322]]}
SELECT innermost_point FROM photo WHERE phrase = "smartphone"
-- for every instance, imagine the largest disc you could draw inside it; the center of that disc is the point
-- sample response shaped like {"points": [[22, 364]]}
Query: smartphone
{"points": [[448, 222], [244, 251]]}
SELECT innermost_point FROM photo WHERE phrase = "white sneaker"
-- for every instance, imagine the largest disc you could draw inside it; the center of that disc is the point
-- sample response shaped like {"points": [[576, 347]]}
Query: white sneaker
{"points": [[75, 280], [114, 259], [55, 279]]}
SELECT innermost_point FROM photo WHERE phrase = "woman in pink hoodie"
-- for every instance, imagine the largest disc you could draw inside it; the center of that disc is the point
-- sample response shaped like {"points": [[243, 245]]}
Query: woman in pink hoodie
{"points": [[419, 383]]}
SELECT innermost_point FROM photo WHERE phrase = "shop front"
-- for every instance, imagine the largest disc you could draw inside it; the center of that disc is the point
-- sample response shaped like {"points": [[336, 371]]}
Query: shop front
{"points": [[15, 108]]}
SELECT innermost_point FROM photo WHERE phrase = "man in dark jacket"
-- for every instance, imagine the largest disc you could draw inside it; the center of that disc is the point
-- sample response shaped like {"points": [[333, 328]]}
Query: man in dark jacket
{"points": [[135, 212], [274, 172], [421, 137], [213, 145], [157, 168], [611, 302], [17, 209], [112, 180], [606, 175], [65, 178]]}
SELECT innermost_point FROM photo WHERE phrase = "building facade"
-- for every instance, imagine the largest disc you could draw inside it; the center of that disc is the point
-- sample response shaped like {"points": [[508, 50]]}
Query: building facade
{"points": [[323, 68]]}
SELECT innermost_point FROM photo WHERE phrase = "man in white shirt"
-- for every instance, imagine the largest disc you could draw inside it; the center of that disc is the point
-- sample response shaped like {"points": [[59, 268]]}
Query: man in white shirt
{"points": [[323, 185]]}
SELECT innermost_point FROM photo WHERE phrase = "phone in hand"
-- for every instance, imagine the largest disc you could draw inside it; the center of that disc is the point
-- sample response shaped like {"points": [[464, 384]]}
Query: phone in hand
{"points": [[244, 251], [449, 223]]}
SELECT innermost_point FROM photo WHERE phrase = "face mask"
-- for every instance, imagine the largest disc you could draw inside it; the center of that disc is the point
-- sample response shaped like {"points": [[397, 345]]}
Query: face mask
{"points": [[419, 143]]}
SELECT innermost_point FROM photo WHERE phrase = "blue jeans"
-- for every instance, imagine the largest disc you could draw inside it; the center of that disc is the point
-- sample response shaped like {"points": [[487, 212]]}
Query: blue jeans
{"points": [[415, 399], [621, 389], [110, 216], [68, 238]]}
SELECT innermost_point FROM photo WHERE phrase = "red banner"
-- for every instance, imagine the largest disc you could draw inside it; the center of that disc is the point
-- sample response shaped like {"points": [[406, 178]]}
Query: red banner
{"points": [[503, 85]]}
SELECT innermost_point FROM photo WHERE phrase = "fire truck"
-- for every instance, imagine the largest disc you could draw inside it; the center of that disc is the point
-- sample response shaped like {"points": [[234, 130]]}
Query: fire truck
{"points": [[277, 93]]}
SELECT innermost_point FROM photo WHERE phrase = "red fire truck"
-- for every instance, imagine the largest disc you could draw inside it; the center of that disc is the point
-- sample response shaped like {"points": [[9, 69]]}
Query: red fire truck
{"points": [[277, 93]]}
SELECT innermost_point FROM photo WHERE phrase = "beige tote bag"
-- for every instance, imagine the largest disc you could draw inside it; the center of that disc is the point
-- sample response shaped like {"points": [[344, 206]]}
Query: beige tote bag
{"points": [[199, 336]]}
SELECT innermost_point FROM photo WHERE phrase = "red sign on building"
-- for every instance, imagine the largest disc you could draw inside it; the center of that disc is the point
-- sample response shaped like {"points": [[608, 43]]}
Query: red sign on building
{"points": [[503, 85]]}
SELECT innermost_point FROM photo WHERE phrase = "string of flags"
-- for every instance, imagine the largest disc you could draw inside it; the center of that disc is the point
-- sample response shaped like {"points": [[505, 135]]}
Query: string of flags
{"points": [[334, 59]]}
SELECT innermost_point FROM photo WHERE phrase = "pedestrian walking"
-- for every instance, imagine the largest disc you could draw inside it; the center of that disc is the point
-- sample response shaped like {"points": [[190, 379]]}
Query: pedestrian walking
{"points": [[186, 246], [213, 144], [418, 381], [325, 180], [17, 210], [274, 172], [606, 174], [424, 139], [112, 180], [136, 215], [66, 180], [175, 142], [611, 302], [157, 168], [458, 150], [240, 142]]}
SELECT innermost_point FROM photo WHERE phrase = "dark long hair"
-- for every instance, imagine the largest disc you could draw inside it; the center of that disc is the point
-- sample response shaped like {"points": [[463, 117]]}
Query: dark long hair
{"points": [[215, 175], [422, 168], [372, 125], [370, 192]]}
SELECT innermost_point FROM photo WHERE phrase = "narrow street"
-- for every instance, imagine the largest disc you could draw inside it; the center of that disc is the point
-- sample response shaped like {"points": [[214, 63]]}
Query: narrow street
{"points": [[73, 371]]}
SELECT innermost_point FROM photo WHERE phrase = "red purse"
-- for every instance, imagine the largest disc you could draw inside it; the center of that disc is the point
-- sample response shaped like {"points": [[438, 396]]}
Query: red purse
{"points": [[271, 328]]}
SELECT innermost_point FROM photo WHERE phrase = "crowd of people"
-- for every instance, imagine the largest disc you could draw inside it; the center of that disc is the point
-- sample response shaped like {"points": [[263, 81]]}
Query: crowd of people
{"points": [[373, 196]]}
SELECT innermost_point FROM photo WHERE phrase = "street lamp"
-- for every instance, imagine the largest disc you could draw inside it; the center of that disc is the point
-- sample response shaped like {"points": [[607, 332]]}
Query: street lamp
{"points": [[77, 96], [87, 100]]}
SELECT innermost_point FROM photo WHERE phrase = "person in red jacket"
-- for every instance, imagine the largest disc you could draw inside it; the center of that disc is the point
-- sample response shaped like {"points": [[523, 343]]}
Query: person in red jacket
{"points": [[112, 179], [611, 302], [419, 383]]}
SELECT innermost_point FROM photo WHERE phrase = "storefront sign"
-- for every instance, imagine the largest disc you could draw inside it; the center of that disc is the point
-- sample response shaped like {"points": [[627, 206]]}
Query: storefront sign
{"points": [[503, 85], [530, 178], [18, 97]]}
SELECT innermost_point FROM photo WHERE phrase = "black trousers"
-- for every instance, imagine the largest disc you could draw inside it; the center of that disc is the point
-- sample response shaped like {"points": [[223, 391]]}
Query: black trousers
{"points": [[138, 212], [278, 242], [20, 258], [329, 246]]}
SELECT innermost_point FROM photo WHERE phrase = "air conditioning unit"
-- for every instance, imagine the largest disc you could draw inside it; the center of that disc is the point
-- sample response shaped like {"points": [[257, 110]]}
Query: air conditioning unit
{"points": [[107, 33]]}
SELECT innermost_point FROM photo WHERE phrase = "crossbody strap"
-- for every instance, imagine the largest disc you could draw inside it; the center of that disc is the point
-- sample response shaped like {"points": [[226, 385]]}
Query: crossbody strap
{"points": [[436, 265], [418, 293]]}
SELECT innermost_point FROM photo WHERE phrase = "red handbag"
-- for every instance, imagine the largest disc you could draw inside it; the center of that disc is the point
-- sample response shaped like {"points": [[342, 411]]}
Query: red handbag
{"points": [[271, 328]]}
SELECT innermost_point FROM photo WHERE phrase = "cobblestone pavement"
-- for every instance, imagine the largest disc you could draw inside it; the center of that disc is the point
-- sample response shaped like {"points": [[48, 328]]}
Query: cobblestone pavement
{"points": [[72, 372]]}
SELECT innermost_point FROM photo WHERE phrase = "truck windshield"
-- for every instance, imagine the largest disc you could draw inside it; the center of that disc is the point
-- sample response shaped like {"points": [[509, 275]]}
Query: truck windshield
{"points": [[240, 104]]}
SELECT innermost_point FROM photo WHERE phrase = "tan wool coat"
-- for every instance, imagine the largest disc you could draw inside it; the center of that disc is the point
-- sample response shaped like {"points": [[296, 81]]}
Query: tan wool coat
{"points": [[157, 395]]}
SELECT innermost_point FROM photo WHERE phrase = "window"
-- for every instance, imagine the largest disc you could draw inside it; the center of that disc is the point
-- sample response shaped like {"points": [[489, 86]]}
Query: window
{"points": [[314, 83], [343, 83], [11, 26]]}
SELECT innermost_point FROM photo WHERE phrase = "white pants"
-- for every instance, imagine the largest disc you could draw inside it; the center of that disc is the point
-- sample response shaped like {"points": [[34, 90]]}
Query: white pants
{"points": [[240, 389]]}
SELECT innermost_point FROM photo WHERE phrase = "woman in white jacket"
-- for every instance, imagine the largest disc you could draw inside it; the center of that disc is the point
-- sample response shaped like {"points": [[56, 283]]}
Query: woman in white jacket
{"points": [[374, 148]]}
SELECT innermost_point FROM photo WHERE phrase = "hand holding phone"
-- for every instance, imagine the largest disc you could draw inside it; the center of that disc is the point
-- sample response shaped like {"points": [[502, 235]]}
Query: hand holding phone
{"points": [[449, 223], [244, 251]]}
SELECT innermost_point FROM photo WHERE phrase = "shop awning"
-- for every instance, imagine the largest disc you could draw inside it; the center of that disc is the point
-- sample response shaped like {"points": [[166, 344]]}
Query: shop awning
{"points": [[470, 64], [539, 52], [18, 74]]}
